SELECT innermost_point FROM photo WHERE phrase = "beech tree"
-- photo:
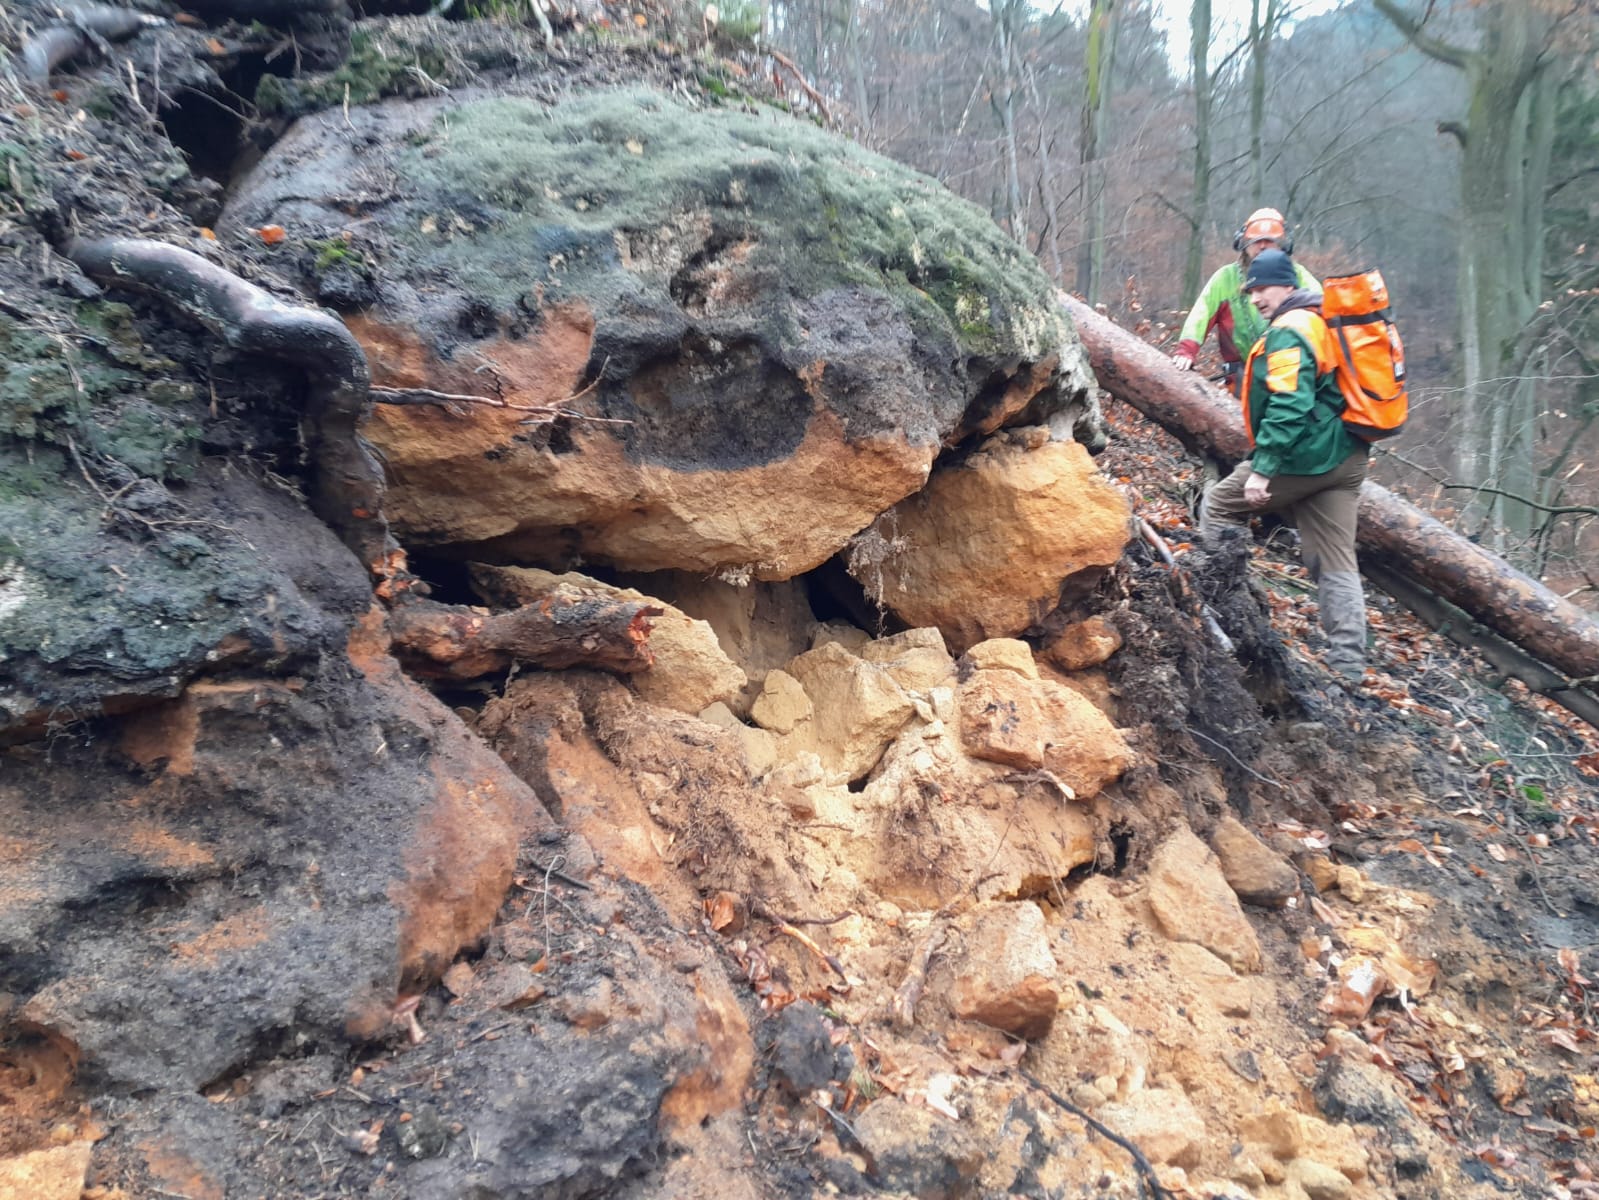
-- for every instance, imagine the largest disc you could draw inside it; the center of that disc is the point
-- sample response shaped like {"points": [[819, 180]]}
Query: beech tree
{"points": [[1506, 139]]}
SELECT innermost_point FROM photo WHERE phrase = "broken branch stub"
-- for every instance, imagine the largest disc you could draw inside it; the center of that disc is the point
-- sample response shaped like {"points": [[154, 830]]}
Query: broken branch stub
{"points": [[450, 641], [69, 37], [347, 491]]}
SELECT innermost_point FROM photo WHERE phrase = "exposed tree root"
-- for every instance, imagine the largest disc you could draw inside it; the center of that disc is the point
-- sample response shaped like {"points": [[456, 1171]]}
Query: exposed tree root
{"points": [[79, 27], [450, 641], [348, 488]]}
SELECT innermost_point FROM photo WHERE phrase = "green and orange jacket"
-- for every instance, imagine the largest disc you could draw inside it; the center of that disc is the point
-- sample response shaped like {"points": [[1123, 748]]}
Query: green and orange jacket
{"points": [[1223, 306], [1292, 402]]}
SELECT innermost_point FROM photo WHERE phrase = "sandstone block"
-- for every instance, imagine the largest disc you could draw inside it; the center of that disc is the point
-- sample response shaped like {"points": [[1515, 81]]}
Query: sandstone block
{"points": [[782, 704], [1081, 746], [1162, 1122], [1085, 644], [1319, 1181], [988, 544], [1000, 720], [1007, 978], [53, 1174], [1193, 903], [1256, 872], [859, 709], [1003, 654]]}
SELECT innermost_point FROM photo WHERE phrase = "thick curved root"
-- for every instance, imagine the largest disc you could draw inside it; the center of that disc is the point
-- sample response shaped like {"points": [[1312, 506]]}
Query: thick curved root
{"points": [[347, 491]]}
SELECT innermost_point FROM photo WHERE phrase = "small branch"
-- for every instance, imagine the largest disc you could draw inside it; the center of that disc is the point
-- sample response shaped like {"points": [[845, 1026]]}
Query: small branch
{"points": [[804, 939], [450, 401], [1241, 763], [910, 989], [551, 873], [1148, 1181], [1430, 46], [799, 77]]}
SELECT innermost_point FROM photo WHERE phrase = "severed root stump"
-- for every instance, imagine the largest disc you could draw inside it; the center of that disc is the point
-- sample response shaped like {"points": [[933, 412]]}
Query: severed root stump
{"points": [[453, 642]]}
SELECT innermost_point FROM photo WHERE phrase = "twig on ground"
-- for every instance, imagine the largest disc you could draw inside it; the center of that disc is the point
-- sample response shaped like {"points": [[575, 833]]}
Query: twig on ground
{"points": [[910, 989], [1241, 763], [551, 873], [1148, 1181], [800, 936], [1206, 613]]}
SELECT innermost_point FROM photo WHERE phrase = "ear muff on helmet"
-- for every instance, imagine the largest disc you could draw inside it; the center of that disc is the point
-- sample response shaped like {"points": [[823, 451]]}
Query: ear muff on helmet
{"points": [[1265, 223]]}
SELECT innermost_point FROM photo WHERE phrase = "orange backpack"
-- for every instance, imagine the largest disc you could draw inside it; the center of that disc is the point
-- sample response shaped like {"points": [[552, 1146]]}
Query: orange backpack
{"points": [[1371, 358]]}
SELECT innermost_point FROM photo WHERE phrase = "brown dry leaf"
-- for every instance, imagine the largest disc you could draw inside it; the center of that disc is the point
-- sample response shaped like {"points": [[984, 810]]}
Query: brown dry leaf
{"points": [[1496, 852], [640, 20], [208, 234], [1561, 1038], [722, 911], [76, 155], [1570, 960], [271, 234], [216, 48]]}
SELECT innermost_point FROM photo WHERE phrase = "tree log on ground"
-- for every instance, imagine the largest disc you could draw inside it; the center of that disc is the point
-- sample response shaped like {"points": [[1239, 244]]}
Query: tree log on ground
{"points": [[1433, 557], [454, 642]]}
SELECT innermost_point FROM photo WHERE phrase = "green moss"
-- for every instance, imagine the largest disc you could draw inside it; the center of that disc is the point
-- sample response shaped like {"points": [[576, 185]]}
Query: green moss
{"points": [[567, 185], [17, 176], [335, 252], [380, 64], [55, 388]]}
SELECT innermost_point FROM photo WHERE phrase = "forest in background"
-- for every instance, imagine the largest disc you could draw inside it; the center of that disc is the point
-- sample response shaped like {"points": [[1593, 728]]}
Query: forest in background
{"points": [[1452, 143]]}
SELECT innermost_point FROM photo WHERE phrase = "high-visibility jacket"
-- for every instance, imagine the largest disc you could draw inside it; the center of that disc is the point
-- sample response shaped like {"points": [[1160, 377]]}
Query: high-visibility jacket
{"points": [[1292, 402], [1222, 306]]}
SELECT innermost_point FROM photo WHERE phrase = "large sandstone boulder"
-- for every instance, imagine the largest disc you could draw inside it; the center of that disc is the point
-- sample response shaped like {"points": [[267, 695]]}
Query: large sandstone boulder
{"points": [[983, 551], [775, 320]]}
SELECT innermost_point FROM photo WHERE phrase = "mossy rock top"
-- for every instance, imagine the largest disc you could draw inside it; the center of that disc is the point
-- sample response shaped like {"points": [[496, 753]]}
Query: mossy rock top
{"points": [[819, 210], [750, 293], [637, 202]]}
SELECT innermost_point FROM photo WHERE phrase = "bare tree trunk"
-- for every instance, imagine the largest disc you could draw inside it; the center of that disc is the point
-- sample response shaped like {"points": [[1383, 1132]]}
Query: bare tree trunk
{"points": [[1199, 53], [1098, 66], [1046, 183], [857, 69], [1006, 15], [1262, 28], [1506, 142]]}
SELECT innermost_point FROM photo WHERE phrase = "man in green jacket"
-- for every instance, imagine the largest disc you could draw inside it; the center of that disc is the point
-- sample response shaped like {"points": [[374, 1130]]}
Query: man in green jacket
{"points": [[1222, 305], [1306, 464]]}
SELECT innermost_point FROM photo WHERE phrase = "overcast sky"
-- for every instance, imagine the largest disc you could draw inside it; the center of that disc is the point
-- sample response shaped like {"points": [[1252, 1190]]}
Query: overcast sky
{"points": [[1229, 21]]}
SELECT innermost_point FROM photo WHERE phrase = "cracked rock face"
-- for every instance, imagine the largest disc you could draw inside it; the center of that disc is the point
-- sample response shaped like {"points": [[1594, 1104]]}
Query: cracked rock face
{"points": [[779, 330]]}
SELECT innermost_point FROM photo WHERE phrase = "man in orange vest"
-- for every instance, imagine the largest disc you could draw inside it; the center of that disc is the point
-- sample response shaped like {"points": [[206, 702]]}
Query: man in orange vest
{"points": [[1305, 463]]}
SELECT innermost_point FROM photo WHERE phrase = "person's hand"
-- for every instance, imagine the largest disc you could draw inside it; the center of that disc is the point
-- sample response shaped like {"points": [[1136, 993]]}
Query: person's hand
{"points": [[1257, 490], [1182, 362]]}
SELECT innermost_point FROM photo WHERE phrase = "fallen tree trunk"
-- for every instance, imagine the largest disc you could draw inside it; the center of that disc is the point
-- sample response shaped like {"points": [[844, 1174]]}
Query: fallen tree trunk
{"points": [[1403, 538], [451, 641]]}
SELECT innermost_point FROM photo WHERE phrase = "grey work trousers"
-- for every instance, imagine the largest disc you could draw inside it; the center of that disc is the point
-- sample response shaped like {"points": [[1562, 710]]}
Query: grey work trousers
{"points": [[1323, 507]]}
